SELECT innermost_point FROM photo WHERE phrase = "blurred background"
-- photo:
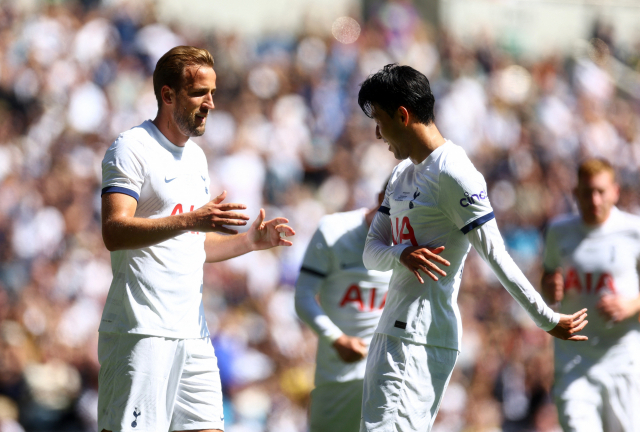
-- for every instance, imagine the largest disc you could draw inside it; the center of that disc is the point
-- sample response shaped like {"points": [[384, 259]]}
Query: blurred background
{"points": [[528, 88]]}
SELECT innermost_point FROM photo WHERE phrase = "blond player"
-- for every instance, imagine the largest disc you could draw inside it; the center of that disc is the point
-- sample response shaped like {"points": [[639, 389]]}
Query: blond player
{"points": [[591, 260]]}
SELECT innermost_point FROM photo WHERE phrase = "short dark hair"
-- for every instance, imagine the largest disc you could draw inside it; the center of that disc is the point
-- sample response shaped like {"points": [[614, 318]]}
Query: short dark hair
{"points": [[394, 86], [170, 68]]}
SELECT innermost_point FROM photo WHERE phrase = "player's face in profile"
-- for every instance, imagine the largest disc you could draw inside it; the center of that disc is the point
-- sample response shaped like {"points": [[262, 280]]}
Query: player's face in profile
{"points": [[596, 196], [388, 130], [194, 100]]}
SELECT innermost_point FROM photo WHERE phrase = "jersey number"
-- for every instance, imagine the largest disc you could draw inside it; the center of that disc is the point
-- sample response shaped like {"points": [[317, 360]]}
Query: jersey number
{"points": [[354, 295], [399, 234]]}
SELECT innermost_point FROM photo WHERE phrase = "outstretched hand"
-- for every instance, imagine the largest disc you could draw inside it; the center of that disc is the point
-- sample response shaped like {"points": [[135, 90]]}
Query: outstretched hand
{"points": [[419, 258], [212, 216], [569, 325], [267, 234]]}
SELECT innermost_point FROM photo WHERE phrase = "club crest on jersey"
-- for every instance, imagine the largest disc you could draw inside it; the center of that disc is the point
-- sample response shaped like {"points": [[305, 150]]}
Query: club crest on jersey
{"points": [[416, 194], [471, 199]]}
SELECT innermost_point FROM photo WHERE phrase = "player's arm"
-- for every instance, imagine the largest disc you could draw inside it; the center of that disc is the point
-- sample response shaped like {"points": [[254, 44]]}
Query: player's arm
{"points": [[486, 239], [616, 308], [380, 255], [261, 235], [315, 267], [122, 230]]}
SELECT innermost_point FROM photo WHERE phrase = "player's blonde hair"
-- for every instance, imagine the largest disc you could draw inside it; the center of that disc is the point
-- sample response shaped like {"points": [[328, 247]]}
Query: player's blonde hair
{"points": [[595, 166], [170, 68]]}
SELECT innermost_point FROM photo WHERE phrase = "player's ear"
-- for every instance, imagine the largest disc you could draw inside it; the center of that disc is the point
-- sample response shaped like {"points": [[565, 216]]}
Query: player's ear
{"points": [[168, 95], [403, 115]]}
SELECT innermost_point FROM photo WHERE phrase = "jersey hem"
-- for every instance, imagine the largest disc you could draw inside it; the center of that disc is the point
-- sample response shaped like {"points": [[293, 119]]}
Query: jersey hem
{"points": [[143, 332]]}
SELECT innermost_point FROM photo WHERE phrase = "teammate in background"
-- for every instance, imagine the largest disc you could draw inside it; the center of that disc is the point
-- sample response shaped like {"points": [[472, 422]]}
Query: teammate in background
{"points": [[158, 368], [350, 303], [591, 260], [435, 202]]}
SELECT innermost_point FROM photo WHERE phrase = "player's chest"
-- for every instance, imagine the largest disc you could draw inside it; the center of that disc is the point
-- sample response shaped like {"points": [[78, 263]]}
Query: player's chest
{"points": [[175, 186], [415, 217]]}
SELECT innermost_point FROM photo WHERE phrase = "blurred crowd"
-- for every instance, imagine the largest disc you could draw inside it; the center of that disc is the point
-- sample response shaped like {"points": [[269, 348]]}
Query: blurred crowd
{"points": [[286, 135]]}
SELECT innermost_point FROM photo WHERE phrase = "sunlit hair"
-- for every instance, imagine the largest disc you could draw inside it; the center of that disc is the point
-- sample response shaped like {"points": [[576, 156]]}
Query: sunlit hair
{"points": [[171, 67], [593, 167], [394, 86]]}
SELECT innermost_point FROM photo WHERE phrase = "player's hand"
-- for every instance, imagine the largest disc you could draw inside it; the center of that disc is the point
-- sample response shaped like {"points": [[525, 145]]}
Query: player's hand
{"points": [[214, 215], [419, 258], [553, 286], [569, 325], [267, 234], [616, 308], [350, 348]]}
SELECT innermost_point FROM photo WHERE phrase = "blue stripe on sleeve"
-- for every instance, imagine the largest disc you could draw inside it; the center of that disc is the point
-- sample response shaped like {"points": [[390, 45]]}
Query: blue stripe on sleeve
{"points": [[118, 189], [478, 222], [385, 210]]}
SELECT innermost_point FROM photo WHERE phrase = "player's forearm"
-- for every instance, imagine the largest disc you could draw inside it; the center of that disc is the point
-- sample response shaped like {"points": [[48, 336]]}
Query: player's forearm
{"points": [[134, 233], [312, 314], [378, 254], [490, 246], [220, 247]]}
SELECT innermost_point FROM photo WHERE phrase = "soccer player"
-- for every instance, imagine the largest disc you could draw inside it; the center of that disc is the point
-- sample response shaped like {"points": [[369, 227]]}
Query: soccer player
{"points": [[158, 368], [591, 260], [436, 201], [342, 302]]}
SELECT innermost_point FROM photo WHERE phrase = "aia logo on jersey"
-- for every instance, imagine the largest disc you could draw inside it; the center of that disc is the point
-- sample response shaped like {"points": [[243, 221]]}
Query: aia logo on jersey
{"points": [[572, 282], [353, 294], [471, 199], [178, 210], [403, 231]]}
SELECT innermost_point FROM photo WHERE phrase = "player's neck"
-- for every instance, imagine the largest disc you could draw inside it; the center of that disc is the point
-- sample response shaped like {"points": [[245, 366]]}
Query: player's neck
{"points": [[427, 139], [165, 124]]}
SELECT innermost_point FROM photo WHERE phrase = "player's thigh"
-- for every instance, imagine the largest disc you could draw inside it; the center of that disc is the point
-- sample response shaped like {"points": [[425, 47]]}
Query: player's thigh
{"points": [[134, 381], [404, 384], [336, 407], [198, 403], [579, 402], [621, 401]]}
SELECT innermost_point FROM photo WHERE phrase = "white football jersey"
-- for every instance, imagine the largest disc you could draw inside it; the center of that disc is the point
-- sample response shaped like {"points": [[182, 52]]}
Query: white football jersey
{"points": [[351, 298], [437, 203], [157, 290], [596, 261]]}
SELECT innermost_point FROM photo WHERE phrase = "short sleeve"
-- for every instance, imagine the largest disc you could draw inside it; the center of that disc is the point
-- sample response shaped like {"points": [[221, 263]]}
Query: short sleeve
{"points": [[552, 259], [317, 258], [123, 168], [463, 197]]}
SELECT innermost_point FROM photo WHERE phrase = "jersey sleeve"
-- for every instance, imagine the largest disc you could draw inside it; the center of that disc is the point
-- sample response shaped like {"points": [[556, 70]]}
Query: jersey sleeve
{"points": [[463, 197], [315, 268], [490, 246], [123, 168], [551, 259]]}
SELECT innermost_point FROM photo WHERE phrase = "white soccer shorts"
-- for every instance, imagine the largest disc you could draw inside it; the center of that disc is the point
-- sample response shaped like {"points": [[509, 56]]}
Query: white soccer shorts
{"points": [[403, 385], [336, 407], [599, 401], [153, 384]]}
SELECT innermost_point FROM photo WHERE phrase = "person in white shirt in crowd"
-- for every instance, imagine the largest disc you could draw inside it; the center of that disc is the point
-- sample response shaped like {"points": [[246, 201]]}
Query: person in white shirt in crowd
{"points": [[158, 369], [436, 205], [591, 260], [341, 301]]}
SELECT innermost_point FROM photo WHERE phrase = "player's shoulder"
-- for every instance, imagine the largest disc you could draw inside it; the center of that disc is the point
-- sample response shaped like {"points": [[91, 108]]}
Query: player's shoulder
{"points": [[564, 222], [627, 220], [453, 161], [134, 139], [335, 225]]}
